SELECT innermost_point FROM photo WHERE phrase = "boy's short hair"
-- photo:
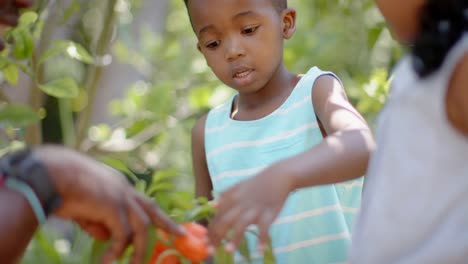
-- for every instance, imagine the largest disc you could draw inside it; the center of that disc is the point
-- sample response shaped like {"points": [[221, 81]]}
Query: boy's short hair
{"points": [[280, 5]]}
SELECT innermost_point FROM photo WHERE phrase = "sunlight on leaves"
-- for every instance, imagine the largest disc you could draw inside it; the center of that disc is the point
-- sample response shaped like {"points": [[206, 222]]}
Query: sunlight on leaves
{"points": [[62, 88]]}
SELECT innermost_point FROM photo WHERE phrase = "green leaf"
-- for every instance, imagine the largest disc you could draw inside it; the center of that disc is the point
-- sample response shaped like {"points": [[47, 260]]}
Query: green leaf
{"points": [[159, 187], [162, 181], [115, 163], [374, 34], [28, 18], [268, 255], [56, 48], [47, 248], [140, 185], [98, 250], [62, 88], [123, 168], [202, 200], [70, 48], [200, 212], [18, 115], [164, 175], [221, 256], [244, 250], [72, 8], [152, 237], [24, 44], [11, 74], [76, 51]]}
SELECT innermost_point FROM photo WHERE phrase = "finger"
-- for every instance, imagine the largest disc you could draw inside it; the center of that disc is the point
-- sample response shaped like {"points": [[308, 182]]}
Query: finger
{"points": [[221, 224], [266, 220], [226, 205], [139, 221], [118, 224], [158, 217], [225, 202], [214, 203], [97, 231], [239, 229]]}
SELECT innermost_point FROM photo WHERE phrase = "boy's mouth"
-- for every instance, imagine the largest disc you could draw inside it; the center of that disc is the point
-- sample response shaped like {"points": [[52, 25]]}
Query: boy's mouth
{"points": [[242, 72]]}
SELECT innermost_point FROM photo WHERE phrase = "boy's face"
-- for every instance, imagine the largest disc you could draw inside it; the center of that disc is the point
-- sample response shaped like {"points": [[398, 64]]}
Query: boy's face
{"points": [[403, 17], [241, 40]]}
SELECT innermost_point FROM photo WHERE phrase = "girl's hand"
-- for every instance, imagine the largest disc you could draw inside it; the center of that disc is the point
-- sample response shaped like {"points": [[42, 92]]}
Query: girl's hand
{"points": [[257, 200]]}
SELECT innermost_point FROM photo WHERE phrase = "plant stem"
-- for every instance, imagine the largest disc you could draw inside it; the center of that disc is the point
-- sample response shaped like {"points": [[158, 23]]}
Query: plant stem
{"points": [[33, 134], [95, 72], [66, 122], [3, 97]]}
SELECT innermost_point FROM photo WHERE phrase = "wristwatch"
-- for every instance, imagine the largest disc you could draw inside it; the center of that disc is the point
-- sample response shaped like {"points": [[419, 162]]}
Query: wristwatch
{"points": [[24, 166]]}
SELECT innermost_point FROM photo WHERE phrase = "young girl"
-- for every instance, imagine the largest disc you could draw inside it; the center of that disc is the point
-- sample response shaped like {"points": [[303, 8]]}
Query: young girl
{"points": [[414, 206], [273, 116]]}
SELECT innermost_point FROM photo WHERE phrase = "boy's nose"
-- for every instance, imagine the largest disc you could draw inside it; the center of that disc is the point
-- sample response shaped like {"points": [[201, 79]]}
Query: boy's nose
{"points": [[234, 50]]}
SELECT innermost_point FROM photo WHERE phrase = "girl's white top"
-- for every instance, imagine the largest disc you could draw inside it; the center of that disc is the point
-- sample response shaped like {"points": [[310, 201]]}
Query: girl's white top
{"points": [[415, 198]]}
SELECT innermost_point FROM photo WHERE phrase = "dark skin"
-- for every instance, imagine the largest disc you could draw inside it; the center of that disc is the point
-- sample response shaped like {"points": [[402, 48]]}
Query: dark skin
{"points": [[457, 96], [9, 13], [404, 22], [251, 34], [259, 97], [342, 155], [94, 196], [305, 170], [232, 48]]}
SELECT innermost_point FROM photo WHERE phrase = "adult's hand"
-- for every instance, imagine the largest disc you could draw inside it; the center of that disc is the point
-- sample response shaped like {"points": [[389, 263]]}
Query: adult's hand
{"points": [[9, 10], [102, 202], [9, 14]]}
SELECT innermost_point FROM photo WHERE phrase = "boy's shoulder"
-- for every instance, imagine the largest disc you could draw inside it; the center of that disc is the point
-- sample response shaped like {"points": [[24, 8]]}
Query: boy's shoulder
{"points": [[216, 113], [223, 108]]}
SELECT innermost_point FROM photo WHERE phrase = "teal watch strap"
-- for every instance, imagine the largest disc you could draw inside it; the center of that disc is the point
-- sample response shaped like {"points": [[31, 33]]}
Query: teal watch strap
{"points": [[24, 167], [30, 195]]}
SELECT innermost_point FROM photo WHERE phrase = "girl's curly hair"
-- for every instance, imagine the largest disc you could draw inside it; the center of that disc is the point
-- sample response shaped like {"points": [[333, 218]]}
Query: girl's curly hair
{"points": [[442, 24]]}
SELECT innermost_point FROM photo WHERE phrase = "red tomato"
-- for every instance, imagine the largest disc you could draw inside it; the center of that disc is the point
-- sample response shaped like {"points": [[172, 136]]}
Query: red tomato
{"points": [[193, 245], [158, 250]]}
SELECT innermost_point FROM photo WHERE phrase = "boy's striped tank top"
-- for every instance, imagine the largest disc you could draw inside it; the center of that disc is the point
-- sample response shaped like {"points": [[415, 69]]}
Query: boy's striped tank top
{"points": [[315, 223]]}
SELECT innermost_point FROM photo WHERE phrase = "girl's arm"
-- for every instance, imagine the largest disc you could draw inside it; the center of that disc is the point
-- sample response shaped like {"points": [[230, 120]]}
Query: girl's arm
{"points": [[341, 156], [457, 97], [203, 186]]}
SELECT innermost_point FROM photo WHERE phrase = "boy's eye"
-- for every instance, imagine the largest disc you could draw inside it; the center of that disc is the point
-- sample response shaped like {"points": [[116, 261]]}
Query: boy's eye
{"points": [[250, 30], [212, 44]]}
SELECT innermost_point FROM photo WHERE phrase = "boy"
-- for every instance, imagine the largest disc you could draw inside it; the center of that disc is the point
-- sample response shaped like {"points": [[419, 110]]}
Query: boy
{"points": [[275, 115]]}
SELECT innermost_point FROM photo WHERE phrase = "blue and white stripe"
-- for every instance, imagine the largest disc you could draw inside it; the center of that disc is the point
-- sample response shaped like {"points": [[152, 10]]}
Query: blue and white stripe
{"points": [[315, 223]]}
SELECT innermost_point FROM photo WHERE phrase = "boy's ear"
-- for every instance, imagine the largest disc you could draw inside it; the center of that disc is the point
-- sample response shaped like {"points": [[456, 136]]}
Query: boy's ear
{"points": [[289, 22], [198, 47]]}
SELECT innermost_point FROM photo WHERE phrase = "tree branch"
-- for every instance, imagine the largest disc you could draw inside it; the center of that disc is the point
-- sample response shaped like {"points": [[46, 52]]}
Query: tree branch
{"points": [[95, 72]]}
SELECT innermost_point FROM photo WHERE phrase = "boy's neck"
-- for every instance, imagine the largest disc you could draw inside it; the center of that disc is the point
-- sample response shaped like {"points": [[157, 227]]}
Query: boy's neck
{"points": [[278, 87]]}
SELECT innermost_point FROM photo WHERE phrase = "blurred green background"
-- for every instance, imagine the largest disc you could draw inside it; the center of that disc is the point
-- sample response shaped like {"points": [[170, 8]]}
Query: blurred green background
{"points": [[122, 80]]}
